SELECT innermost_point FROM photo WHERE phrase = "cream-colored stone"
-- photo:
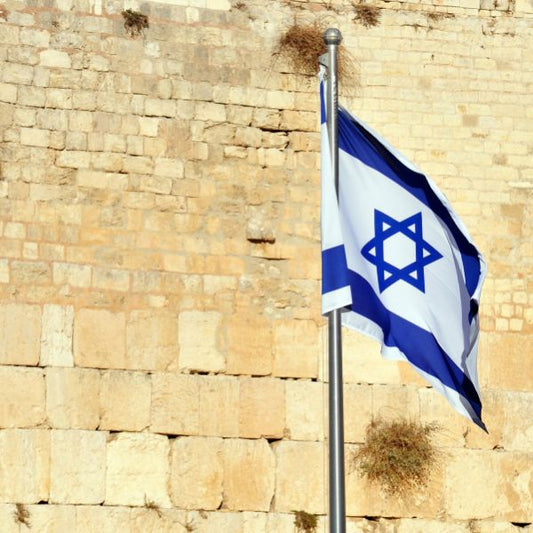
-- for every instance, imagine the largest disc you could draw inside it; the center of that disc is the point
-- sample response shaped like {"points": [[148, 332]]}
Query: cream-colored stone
{"points": [[25, 465], [249, 474], [482, 484], [306, 410], [72, 398], [262, 408], [196, 478], [77, 469], [20, 325], [394, 402], [125, 399], [297, 346], [357, 411], [22, 397], [219, 403], [249, 345], [101, 518], [54, 58], [137, 469], [152, 340], [48, 518], [300, 476], [56, 335], [199, 340], [175, 404], [107, 348]]}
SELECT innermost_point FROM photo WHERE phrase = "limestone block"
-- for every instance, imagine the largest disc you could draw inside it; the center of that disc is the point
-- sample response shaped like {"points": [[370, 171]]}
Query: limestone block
{"points": [[34, 137], [413, 525], [101, 519], [219, 403], [357, 411], [20, 325], [158, 519], [54, 58], [56, 336], [297, 345], [300, 476], [71, 274], [306, 409], [125, 399], [77, 469], [48, 518], [7, 518], [25, 465], [152, 340], [22, 397], [434, 408], [199, 340], [249, 345], [72, 398], [390, 402], [197, 470], [482, 484], [249, 472], [218, 521], [99, 338], [175, 403], [501, 361], [262, 408], [137, 469]]}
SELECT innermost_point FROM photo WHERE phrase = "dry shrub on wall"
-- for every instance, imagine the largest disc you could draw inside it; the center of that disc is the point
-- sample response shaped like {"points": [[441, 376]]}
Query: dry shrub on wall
{"points": [[303, 44], [398, 454]]}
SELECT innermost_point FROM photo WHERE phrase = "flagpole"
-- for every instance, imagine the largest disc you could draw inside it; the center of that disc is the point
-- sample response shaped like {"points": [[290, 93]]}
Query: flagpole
{"points": [[337, 506]]}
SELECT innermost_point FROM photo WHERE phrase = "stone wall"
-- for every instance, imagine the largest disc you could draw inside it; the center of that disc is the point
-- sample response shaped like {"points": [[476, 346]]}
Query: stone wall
{"points": [[161, 344]]}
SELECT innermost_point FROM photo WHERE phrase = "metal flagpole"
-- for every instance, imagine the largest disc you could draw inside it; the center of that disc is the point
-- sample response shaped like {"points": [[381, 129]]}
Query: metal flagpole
{"points": [[337, 506]]}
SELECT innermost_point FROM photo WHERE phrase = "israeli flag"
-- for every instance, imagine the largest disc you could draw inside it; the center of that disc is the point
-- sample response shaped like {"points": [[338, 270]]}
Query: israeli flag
{"points": [[399, 263]]}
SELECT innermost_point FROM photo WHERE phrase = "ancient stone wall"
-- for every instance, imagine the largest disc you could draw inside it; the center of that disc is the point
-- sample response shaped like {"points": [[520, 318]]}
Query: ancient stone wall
{"points": [[161, 344]]}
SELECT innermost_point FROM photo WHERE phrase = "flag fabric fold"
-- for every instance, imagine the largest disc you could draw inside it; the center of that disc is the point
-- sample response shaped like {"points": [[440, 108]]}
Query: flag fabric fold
{"points": [[399, 263]]}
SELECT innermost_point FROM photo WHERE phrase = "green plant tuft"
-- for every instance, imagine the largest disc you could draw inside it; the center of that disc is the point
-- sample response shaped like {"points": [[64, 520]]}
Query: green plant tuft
{"points": [[397, 454], [305, 522], [21, 515], [134, 22]]}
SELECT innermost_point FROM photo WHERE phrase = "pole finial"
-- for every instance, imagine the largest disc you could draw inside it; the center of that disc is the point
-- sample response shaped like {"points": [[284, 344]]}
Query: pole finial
{"points": [[332, 36]]}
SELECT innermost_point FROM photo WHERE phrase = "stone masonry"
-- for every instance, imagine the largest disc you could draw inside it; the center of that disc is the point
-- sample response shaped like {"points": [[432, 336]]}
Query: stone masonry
{"points": [[162, 352]]}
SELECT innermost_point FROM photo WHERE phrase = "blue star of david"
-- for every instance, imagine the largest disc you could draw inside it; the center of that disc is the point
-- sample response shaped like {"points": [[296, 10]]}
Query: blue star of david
{"points": [[386, 227]]}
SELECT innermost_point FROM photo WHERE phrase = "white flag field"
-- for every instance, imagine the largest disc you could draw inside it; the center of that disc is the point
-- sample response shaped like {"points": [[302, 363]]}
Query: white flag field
{"points": [[399, 263]]}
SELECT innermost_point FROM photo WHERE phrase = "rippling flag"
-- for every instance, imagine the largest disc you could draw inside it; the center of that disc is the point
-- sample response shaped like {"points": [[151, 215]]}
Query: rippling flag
{"points": [[399, 263]]}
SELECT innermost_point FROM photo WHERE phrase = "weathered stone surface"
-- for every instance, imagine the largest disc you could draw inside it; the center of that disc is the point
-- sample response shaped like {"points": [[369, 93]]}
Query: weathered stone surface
{"points": [[72, 398], [306, 410], [262, 408], [78, 467], [219, 403], [21, 331], [296, 346], [56, 336], [197, 470], [137, 469], [249, 474], [152, 340], [106, 349], [22, 397], [300, 476], [199, 341], [125, 401], [25, 465], [249, 345], [175, 404], [481, 484]]}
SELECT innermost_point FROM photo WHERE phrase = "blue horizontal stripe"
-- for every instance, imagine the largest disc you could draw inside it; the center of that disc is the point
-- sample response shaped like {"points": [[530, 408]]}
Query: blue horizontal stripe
{"points": [[358, 142], [418, 345], [334, 273]]}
